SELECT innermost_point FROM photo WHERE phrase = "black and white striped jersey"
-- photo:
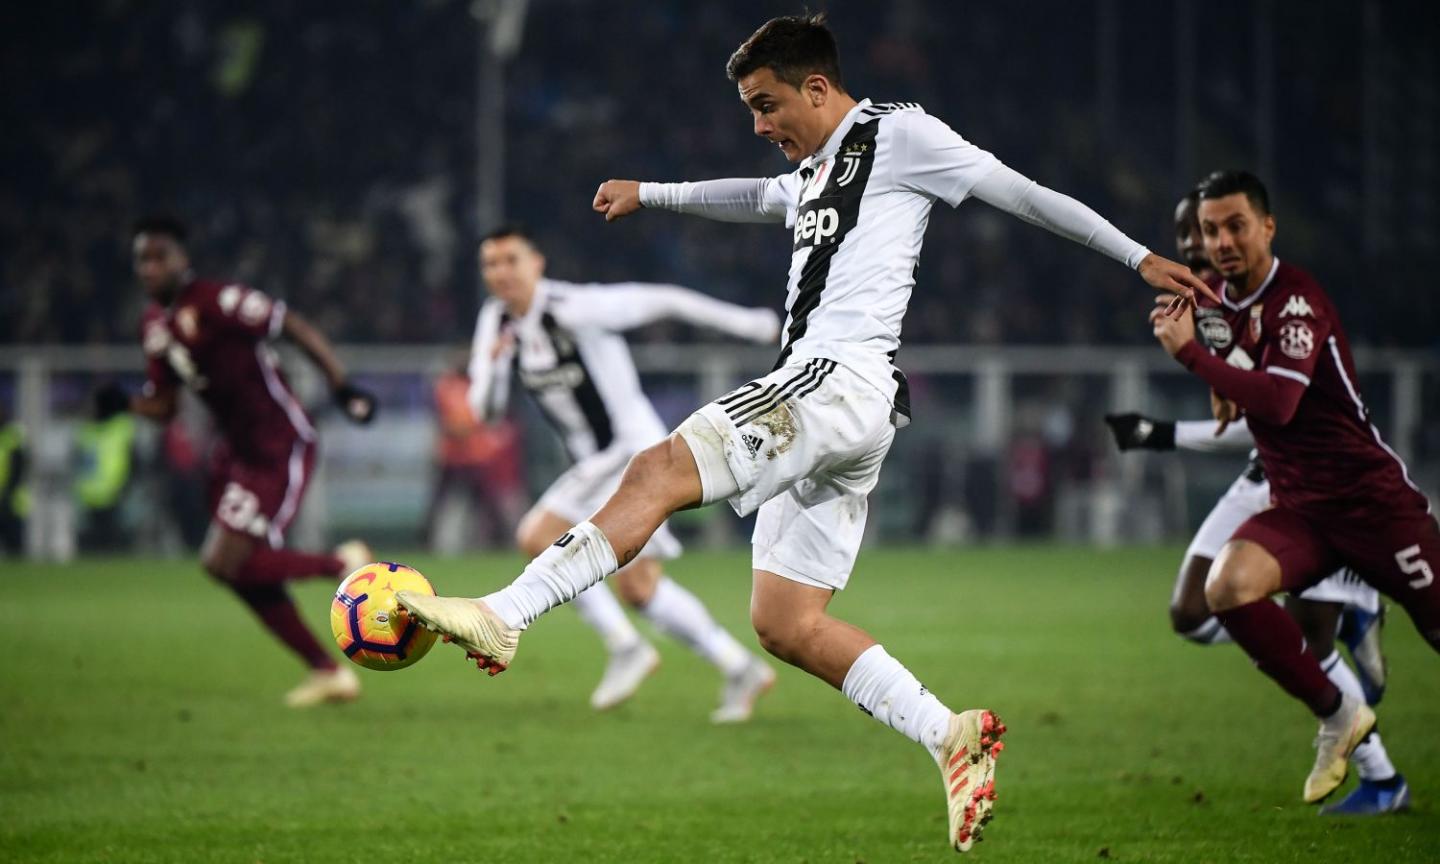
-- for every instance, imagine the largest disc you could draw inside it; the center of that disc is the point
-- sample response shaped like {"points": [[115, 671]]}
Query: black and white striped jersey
{"points": [[857, 210], [567, 352]]}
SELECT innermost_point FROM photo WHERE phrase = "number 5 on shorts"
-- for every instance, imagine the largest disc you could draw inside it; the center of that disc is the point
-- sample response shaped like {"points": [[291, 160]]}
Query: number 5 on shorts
{"points": [[1411, 563]]}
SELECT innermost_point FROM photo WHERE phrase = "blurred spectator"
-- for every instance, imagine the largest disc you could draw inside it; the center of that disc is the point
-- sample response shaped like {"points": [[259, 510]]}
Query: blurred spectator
{"points": [[14, 499], [477, 461], [329, 148], [105, 456]]}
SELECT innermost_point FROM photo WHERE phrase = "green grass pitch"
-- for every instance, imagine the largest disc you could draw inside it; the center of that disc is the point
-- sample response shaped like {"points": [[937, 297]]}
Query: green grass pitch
{"points": [[141, 721]]}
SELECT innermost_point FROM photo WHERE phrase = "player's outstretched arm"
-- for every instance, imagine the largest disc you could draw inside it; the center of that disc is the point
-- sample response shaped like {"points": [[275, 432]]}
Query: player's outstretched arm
{"points": [[627, 305], [1265, 395], [1135, 431], [357, 404], [1013, 192], [731, 200]]}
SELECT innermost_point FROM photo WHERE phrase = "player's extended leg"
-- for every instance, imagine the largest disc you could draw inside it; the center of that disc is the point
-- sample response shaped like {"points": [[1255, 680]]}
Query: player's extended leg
{"points": [[631, 657], [659, 480], [792, 622], [679, 614], [1246, 574], [226, 556]]}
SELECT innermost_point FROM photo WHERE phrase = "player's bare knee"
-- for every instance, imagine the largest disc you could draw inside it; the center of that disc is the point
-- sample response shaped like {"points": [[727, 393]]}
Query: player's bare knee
{"points": [[1243, 573], [784, 637]]}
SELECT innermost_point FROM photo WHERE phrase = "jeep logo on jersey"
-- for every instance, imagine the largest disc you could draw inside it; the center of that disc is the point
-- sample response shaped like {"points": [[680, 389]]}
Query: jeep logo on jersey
{"points": [[1216, 331], [566, 376], [817, 223]]}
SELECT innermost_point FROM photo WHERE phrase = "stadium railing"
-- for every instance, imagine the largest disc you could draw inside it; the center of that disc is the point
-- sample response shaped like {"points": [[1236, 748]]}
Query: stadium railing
{"points": [[1007, 443]]}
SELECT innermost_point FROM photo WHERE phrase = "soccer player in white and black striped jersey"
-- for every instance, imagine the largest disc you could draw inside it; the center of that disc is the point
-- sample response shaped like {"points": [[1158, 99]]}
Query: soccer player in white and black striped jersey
{"points": [[563, 342], [804, 444]]}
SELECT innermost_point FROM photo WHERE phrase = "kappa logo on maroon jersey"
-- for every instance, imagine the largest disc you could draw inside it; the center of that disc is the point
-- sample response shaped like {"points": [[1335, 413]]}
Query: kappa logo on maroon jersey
{"points": [[1297, 306], [1297, 340]]}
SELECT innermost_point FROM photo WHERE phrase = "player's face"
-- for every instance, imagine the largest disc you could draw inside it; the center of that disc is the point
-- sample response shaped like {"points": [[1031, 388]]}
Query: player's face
{"points": [[511, 268], [788, 117], [1189, 242], [1237, 236], [161, 264]]}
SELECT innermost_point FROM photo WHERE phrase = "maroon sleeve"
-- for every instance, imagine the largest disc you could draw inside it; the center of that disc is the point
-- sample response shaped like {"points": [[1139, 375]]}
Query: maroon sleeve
{"points": [[1268, 397], [239, 308], [1296, 328]]}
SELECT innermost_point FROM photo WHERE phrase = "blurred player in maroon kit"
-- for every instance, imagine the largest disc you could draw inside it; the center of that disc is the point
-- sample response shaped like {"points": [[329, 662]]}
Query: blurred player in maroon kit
{"points": [[213, 338], [1341, 495]]}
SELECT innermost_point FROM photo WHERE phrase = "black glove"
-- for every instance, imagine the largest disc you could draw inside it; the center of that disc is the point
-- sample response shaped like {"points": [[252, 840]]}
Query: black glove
{"points": [[110, 399], [358, 405], [1138, 432]]}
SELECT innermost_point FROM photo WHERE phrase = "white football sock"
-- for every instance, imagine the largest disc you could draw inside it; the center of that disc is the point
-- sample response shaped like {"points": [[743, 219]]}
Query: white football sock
{"points": [[580, 558], [1210, 632], [680, 615], [1371, 760], [887, 691], [599, 609]]}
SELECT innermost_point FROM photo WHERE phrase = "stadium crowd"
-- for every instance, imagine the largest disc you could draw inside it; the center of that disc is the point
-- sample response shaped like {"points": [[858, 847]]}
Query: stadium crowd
{"points": [[330, 157]]}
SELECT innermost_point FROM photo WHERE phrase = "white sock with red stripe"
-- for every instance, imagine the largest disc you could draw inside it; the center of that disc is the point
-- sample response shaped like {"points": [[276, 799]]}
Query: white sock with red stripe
{"points": [[600, 610], [886, 690]]}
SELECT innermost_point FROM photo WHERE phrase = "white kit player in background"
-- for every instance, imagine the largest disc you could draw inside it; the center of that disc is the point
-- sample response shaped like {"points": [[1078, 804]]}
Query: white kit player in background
{"points": [[563, 341], [803, 445]]}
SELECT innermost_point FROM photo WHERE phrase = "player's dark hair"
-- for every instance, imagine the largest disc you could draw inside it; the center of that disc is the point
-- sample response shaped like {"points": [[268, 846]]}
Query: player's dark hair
{"points": [[1222, 183], [166, 225], [510, 229], [794, 47]]}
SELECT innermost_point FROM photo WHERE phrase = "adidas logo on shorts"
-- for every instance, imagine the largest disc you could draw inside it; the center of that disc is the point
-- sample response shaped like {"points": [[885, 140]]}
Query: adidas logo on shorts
{"points": [[752, 443]]}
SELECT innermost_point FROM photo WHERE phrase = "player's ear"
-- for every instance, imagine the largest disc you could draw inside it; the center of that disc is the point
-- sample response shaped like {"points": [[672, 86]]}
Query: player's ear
{"points": [[816, 89]]}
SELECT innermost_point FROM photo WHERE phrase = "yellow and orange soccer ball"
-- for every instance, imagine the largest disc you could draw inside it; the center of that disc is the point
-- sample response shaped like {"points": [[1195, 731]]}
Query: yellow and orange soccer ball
{"points": [[370, 627]]}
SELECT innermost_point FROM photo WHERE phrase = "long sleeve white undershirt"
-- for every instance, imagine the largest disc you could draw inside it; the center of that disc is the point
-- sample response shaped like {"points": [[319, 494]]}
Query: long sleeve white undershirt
{"points": [[1013, 192], [626, 305], [729, 200], [1199, 435]]}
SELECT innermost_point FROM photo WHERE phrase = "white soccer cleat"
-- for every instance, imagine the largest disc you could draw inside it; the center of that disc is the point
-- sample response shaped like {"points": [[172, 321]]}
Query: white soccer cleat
{"points": [[468, 623], [967, 765], [624, 673], [325, 685], [738, 696], [1338, 737], [354, 554]]}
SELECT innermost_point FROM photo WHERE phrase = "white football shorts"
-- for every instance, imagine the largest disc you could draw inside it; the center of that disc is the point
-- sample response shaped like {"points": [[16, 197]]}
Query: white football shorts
{"points": [[589, 483], [1244, 499], [803, 446]]}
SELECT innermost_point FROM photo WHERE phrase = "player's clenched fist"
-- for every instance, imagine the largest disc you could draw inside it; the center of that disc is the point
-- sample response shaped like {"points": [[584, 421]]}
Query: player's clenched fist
{"points": [[617, 198]]}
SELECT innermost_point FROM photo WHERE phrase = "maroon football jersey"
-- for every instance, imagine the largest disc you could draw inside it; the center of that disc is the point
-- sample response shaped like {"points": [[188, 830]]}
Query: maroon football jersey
{"points": [[1329, 460], [213, 339]]}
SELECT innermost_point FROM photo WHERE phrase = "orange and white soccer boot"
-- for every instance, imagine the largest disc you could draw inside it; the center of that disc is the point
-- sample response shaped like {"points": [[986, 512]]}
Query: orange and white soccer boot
{"points": [[340, 684], [967, 765], [1338, 737], [471, 624]]}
